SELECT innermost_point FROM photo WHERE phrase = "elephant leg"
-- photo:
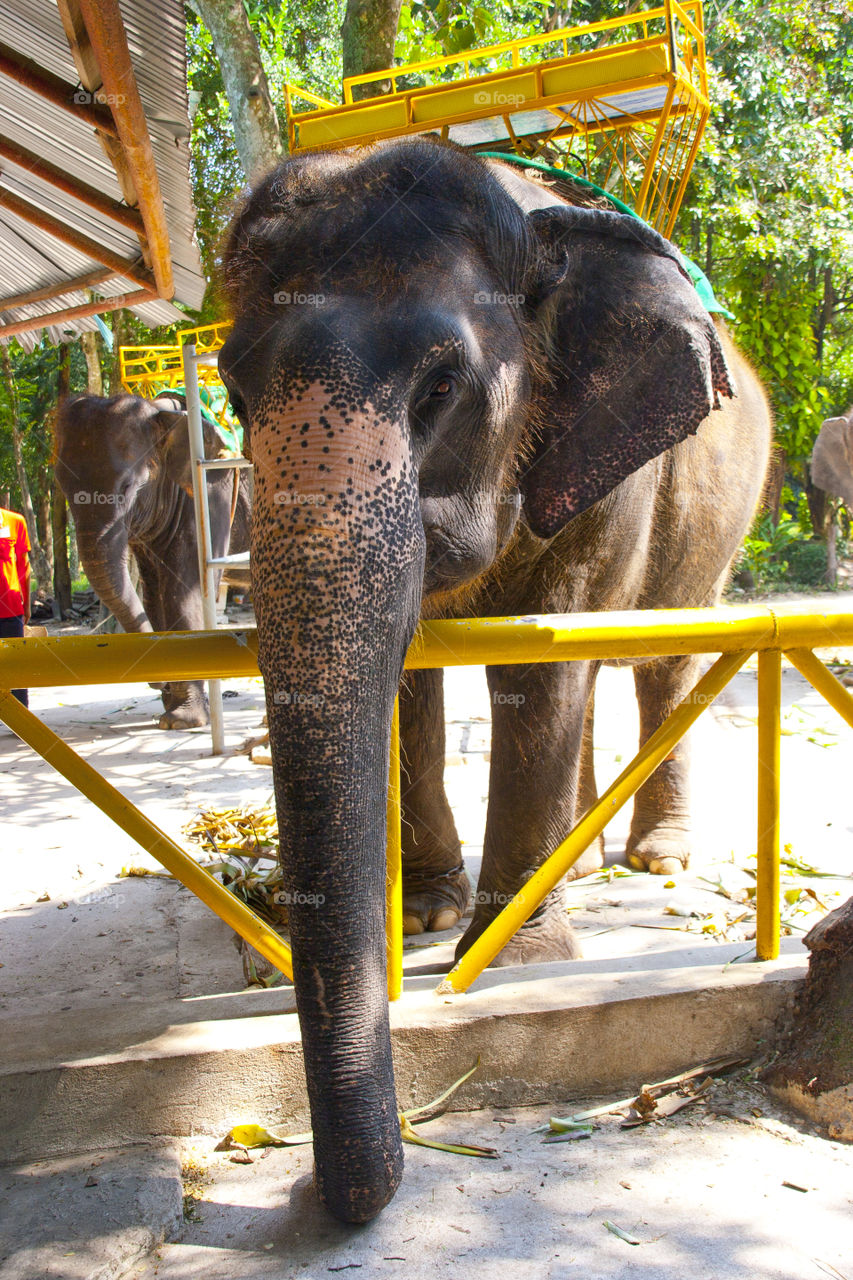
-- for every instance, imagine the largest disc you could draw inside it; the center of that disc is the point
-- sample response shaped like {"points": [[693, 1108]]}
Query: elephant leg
{"points": [[660, 828], [173, 605], [538, 717], [435, 886]]}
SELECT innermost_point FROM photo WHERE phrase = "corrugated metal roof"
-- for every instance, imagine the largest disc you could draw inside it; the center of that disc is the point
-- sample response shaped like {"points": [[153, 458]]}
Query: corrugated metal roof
{"points": [[31, 258]]}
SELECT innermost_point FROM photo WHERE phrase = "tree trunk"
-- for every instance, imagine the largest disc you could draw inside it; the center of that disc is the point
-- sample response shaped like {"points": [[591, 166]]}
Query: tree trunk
{"points": [[58, 508], [119, 336], [44, 522], [94, 378], [368, 33], [818, 508], [814, 1071], [38, 560], [61, 570], [256, 130]]}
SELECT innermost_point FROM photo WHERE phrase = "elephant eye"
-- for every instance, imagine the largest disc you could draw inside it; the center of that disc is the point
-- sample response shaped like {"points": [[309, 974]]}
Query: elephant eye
{"points": [[237, 403], [441, 389]]}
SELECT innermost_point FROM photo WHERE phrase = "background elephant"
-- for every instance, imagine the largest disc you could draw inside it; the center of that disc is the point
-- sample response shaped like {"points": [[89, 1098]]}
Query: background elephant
{"points": [[496, 403], [832, 459], [831, 467], [124, 466]]}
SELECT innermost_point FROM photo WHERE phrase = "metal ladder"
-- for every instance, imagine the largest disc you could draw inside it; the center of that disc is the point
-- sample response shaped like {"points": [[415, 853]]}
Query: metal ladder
{"points": [[208, 563]]}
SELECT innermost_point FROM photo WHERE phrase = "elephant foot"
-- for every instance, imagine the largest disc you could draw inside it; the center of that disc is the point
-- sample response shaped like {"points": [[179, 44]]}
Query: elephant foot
{"points": [[184, 718], [664, 851], [592, 859], [433, 901], [541, 940]]}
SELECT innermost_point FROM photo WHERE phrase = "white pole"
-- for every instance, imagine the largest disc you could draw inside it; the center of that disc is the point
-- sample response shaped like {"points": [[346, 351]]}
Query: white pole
{"points": [[207, 574]]}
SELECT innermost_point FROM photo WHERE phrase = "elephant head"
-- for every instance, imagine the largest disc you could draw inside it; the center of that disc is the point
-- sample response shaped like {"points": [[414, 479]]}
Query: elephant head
{"points": [[418, 362], [832, 459]]}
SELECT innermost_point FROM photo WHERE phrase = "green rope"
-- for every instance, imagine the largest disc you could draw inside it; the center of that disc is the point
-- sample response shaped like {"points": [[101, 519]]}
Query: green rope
{"points": [[701, 283]]}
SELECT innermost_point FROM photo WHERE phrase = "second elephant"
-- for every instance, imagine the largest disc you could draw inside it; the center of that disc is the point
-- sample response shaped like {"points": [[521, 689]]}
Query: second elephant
{"points": [[124, 465]]}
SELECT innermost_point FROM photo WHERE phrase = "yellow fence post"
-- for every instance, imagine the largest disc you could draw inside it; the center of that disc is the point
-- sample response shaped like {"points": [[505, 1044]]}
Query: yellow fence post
{"points": [[141, 829], [503, 927], [394, 873], [823, 681], [767, 841]]}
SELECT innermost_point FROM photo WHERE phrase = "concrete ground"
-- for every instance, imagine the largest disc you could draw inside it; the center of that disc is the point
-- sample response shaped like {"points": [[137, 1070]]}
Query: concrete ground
{"points": [[124, 1017], [703, 1194]]}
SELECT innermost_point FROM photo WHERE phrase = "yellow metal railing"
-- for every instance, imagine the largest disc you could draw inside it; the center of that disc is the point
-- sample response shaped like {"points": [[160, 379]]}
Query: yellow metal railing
{"points": [[563, 37], [629, 94], [149, 370], [735, 633]]}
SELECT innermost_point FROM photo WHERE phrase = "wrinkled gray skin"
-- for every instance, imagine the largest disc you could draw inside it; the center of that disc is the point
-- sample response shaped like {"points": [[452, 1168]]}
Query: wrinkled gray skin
{"points": [[832, 459], [124, 466], [495, 404]]}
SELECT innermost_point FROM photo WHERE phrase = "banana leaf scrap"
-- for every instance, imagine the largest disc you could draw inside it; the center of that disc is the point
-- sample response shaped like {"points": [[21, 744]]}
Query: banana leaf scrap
{"points": [[653, 1102], [245, 843], [244, 1136]]}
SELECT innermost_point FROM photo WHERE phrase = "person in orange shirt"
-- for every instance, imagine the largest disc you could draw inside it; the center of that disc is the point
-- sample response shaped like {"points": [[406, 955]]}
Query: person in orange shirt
{"points": [[14, 580]]}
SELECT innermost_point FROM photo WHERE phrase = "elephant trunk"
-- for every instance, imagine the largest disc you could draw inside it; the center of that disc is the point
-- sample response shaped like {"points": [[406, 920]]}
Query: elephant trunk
{"points": [[336, 583], [103, 554]]}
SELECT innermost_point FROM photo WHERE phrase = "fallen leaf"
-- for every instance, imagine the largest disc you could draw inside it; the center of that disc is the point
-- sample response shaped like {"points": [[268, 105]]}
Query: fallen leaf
{"points": [[617, 1231], [251, 1135]]}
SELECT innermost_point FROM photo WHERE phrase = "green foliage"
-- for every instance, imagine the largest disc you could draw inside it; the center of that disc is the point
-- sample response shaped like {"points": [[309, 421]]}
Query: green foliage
{"points": [[807, 563], [767, 209], [299, 42], [782, 554]]}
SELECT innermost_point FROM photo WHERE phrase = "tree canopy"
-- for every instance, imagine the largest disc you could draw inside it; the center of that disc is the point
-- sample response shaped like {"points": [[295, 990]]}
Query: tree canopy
{"points": [[766, 212]]}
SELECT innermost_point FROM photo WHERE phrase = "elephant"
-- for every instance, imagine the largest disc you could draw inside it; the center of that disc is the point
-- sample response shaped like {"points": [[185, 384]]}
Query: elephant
{"points": [[463, 395], [124, 465], [831, 463]]}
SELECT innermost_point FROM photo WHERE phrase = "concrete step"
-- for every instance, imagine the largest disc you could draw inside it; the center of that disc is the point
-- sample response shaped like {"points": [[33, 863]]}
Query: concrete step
{"points": [[91, 1079], [88, 1217]]}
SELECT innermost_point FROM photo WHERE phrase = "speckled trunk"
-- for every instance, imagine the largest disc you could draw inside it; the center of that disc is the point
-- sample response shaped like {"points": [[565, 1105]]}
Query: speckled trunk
{"points": [[103, 554], [337, 562]]}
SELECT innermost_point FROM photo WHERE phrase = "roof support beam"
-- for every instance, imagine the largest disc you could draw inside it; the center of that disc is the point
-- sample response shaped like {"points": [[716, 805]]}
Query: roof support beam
{"points": [[56, 177], [56, 90], [109, 43], [83, 243], [75, 313], [48, 291]]}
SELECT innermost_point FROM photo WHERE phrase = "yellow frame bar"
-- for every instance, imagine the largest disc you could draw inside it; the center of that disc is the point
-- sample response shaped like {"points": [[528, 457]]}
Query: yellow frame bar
{"points": [[394, 865], [482, 952], [546, 638], [124, 814], [767, 883]]}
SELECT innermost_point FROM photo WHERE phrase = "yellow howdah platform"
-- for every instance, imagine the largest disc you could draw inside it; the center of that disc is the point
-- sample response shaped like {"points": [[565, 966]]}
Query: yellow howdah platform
{"points": [[150, 369], [621, 102]]}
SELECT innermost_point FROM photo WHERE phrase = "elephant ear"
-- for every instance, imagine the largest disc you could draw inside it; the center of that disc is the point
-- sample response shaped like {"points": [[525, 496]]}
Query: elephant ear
{"points": [[173, 445], [634, 361]]}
